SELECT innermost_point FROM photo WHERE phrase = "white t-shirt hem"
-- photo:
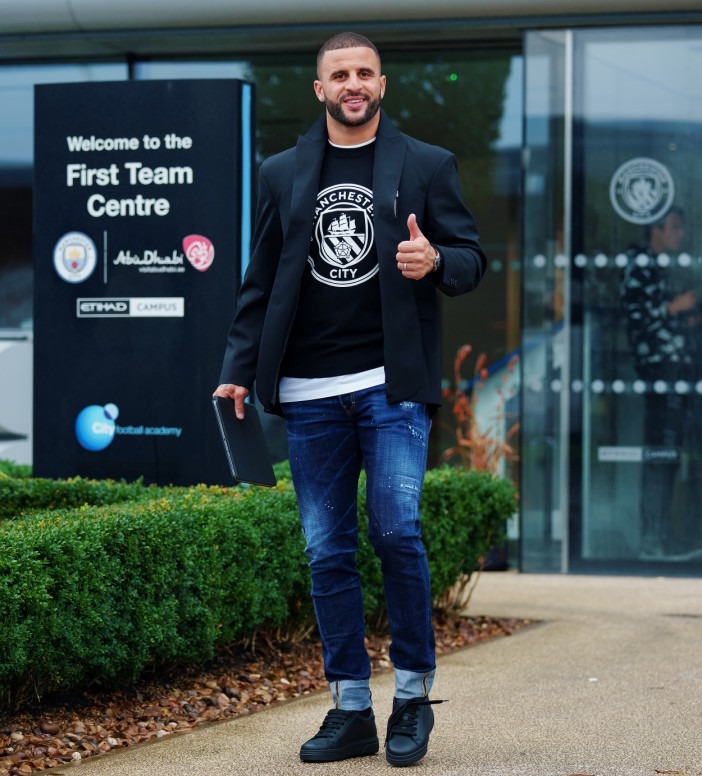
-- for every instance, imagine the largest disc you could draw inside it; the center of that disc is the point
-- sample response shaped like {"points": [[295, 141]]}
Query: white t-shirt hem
{"points": [[307, 388]]}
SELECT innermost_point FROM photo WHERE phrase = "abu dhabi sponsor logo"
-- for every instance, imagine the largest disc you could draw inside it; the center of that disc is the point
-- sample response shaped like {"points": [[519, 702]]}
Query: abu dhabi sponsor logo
{"points": [[641, 190], [151, 261], [135, 307], [75, 257], [343, 236], [199, 251], [95, 427]]}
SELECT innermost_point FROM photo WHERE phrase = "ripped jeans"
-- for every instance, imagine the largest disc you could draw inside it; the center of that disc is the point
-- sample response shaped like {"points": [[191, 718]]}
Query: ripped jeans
{"points": [[330, 440]]}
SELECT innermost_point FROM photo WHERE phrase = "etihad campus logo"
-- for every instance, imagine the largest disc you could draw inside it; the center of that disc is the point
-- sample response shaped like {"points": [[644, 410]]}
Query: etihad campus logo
{"points": [[343, 236], [641, 190], [95, 426], [75, 257]]}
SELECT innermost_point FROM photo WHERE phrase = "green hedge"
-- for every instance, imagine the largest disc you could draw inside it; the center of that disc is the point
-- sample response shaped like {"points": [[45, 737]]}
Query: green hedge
{"points": [[21, 495], [12, 469], [99, 593]]}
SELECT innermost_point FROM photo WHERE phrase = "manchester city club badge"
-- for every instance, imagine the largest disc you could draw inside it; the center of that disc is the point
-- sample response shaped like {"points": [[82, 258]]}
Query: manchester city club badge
{"points": [[75, 257], [641, 190], [343, 236]]}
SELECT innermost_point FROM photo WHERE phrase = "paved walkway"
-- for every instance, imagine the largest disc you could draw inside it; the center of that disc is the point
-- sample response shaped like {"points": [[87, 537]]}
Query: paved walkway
{"points": [[610, 684]]}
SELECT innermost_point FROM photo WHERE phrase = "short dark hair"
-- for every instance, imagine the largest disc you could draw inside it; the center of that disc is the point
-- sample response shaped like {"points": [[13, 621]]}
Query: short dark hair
{"points": [[345, 40], [659, 223]]}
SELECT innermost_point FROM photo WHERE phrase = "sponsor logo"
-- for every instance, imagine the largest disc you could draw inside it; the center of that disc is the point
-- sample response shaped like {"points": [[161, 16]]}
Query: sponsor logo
{"points": [[199, 251], [641, 190], [95, 426], [661, 455], [343, 236], [151, 261], [138, 307], [102, 308], [619, 454], [75, 257]]}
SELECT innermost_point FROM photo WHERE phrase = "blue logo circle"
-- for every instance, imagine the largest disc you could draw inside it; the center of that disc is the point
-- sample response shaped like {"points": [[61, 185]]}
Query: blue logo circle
{"points": [[95, 426]]}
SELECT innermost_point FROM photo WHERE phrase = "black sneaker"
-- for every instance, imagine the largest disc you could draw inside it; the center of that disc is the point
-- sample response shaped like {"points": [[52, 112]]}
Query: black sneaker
{"points": [[409, 726], [343, 734]]}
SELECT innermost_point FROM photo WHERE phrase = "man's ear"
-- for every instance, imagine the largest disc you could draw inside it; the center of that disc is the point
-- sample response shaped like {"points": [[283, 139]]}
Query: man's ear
{"points": [[319, 90]]}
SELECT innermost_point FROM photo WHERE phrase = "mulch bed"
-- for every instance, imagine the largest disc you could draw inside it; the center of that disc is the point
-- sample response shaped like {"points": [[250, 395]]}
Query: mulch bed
{"points": [[68, 728]]}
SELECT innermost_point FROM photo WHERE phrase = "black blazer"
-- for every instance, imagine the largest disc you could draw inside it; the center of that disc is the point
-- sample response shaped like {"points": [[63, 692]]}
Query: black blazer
{"points": [[409, 176]]}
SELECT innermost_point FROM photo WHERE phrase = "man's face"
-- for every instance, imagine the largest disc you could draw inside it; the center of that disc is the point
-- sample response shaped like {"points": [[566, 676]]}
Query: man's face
{"points": [[350, 85], [669, 237]]}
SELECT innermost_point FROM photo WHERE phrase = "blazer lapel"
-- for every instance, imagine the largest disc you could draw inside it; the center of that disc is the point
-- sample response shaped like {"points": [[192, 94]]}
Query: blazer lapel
{"points": [[402, 332], [309, 155]]}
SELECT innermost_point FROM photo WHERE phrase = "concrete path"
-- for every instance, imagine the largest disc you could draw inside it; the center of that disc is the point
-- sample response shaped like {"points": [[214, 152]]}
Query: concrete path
{"points": [[610, 684]]}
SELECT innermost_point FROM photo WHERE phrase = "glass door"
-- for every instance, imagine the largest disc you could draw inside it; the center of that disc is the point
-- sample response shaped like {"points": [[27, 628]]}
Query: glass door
{"points": [[612, 302], [636, 233]]}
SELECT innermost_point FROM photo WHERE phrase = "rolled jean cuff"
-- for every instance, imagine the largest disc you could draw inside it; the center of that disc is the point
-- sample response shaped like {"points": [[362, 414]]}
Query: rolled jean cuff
{"points": [[411, 684], [351, 694]]}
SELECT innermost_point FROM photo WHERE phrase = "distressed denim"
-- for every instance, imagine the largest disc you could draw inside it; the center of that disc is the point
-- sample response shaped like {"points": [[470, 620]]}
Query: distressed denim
{"points": [[330, 440]]}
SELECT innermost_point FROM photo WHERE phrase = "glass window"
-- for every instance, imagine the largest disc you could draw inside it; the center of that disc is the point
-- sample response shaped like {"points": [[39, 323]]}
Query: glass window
{"points": [[637, 289], [16, 160], [545, 333], [471, 104]]}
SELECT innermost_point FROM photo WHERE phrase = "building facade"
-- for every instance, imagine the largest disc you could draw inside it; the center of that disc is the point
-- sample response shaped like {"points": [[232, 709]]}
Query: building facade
{"points": [[576, 132]]}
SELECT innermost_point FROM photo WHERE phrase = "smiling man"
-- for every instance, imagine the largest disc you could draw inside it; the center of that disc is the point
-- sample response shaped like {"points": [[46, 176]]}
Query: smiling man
{"points": [[337, 322], [351, 88]]}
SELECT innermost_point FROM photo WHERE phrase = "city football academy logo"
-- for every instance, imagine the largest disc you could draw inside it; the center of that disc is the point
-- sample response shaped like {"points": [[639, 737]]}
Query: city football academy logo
{"points": [[75, 257], [199, 251], [343, 236], [95, 426], [642, 190]]}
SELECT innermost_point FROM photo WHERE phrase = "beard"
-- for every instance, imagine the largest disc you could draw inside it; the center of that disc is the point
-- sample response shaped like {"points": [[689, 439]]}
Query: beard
{"points": [[336, 111]]}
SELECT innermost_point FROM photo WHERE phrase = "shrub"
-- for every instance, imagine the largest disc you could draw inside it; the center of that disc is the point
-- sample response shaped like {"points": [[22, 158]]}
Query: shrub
{"points": [[12, 469], [98, 593]]}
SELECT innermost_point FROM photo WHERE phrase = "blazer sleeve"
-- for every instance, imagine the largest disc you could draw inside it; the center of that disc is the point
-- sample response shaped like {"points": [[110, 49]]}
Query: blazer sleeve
{"points": [[452, 230], [241, 354]]}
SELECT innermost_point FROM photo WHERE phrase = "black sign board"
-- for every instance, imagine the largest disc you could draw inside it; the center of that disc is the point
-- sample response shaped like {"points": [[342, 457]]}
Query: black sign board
{"points": [[141, 226]]}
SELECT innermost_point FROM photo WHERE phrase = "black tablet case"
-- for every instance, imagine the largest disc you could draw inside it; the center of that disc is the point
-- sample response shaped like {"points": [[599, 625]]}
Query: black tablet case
{"points": [[244, 443]]}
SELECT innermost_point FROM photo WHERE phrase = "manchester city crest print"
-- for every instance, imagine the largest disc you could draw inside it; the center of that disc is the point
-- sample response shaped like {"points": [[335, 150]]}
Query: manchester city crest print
{"points": [[343, 236]]}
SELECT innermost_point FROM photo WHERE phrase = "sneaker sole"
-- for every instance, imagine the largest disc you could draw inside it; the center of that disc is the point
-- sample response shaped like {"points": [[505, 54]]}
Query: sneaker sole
{"points": [[363, 748], [410, 759]]}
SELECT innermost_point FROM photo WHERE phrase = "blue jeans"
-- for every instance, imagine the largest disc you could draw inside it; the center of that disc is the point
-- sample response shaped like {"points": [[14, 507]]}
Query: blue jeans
{"points": [[329, 441]]}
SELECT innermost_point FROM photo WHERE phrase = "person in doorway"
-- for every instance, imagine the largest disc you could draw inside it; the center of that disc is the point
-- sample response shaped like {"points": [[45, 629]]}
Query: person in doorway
{"points": [[357, 228], [661, 328]]}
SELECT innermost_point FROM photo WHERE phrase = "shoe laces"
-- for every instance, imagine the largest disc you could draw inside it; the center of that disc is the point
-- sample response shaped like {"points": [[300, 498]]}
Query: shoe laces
{"points": [[405, 719], [333, 722]]}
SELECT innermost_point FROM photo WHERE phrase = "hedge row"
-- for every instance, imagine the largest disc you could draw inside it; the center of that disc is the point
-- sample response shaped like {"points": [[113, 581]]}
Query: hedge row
{"points": [[12, 469], [97, 594], [22, 496]]}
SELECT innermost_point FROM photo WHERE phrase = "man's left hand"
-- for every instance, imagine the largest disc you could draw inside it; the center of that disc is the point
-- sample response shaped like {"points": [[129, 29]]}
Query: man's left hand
{"points": [[415, 257]]}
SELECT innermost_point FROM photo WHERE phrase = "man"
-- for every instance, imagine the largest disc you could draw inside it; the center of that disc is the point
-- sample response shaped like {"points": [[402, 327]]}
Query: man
{"points": [[661, 328], [337, 321]]}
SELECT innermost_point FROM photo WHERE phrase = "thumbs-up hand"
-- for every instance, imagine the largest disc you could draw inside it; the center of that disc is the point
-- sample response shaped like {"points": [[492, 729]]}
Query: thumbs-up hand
{"points": [[415, 257]]}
